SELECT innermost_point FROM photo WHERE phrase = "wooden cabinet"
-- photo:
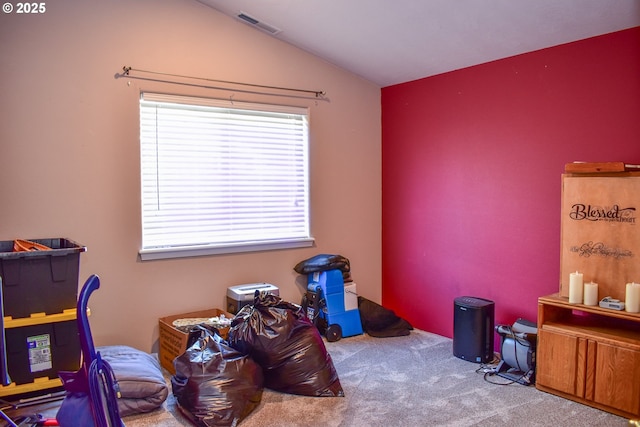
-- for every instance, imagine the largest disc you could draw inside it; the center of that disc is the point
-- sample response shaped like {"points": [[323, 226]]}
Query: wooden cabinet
{"points": [[589, 354]]}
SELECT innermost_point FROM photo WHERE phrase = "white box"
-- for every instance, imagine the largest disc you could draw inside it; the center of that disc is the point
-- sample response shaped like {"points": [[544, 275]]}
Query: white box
{"points": [[350, 297], [240, 295]]}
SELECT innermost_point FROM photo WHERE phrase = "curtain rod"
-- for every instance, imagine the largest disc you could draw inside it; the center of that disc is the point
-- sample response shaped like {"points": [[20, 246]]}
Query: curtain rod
{"points": [[126, 71]]}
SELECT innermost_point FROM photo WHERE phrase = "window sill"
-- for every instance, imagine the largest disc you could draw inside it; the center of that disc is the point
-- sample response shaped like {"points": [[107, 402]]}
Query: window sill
{"points": [[204, 250]]}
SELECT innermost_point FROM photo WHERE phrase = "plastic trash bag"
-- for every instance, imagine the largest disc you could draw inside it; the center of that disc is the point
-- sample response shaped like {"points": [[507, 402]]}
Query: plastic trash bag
{"points": [[214, 384], [323, 262], [381, 322], [288, 347]]}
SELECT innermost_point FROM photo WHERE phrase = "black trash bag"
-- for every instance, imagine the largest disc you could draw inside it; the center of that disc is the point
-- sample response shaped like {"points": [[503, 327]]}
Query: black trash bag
{"points": [[323, 262], [215, 384], [381, 322], [288, 347]]}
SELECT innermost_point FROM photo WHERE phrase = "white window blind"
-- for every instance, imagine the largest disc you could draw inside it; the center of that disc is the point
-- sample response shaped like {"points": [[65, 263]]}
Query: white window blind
{"points": [[222, 177]]}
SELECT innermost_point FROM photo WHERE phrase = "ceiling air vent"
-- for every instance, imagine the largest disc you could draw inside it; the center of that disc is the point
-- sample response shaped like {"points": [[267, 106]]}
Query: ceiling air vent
{"points": [[256, 23]]}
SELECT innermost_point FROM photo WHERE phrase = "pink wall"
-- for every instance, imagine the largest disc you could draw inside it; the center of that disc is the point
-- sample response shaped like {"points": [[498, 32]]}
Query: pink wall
{"points": [[471, 171]]}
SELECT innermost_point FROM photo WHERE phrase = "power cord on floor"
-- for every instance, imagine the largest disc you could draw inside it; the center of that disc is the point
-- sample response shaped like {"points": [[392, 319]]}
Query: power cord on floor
{"points": [[490, 370], [489, 366], [488, 375]]}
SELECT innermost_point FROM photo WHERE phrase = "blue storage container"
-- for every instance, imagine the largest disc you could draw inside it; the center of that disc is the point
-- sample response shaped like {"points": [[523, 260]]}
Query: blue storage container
{"points": [[329, 286]]}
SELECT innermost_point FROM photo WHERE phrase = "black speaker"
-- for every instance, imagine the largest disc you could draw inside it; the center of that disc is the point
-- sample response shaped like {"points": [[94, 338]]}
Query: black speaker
{"points": [[473, 322]]}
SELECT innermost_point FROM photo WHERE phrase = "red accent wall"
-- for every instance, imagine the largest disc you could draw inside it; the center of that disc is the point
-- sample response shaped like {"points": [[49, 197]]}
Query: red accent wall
{"points": [[472, 162]]}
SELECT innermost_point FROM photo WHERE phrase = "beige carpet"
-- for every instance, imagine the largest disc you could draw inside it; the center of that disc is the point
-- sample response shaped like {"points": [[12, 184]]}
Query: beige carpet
{"points": [[406, 381]]}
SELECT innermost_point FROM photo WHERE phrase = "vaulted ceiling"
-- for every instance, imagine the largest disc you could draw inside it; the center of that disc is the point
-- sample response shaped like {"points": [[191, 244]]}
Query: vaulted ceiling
{"points": [[395, 41]]}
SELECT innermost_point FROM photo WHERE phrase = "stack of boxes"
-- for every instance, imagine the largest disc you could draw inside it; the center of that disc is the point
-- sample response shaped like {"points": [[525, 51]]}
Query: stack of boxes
{"points": [[39, 297]]}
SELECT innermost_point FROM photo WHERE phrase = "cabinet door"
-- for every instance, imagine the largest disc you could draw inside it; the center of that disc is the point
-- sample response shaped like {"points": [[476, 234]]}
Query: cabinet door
{"points": [[617, 377], [557, 361]]}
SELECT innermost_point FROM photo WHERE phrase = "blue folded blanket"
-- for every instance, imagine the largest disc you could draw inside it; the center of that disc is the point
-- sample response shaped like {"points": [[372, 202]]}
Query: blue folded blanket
{"points": [[142, 385]]}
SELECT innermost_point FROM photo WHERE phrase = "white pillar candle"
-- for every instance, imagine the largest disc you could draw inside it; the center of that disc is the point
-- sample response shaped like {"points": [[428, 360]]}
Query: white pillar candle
{"points": [[591, 293], [575, 288], [632, 302]]}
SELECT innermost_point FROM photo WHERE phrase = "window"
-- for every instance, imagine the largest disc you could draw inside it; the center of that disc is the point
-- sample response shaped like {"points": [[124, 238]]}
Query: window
{"points": [[221, 176]]}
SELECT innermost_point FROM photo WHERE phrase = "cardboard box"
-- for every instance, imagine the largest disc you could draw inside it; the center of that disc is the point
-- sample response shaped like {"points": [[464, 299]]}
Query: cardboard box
{"points": [[173, 342], [350, 296]]}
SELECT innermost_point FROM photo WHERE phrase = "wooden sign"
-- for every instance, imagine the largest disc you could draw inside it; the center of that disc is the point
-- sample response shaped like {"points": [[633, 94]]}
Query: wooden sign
{"points": [[600, 234]]}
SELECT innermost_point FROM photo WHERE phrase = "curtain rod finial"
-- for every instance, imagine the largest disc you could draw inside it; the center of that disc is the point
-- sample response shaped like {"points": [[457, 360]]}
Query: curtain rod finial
{"points": [[126, 70]]}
